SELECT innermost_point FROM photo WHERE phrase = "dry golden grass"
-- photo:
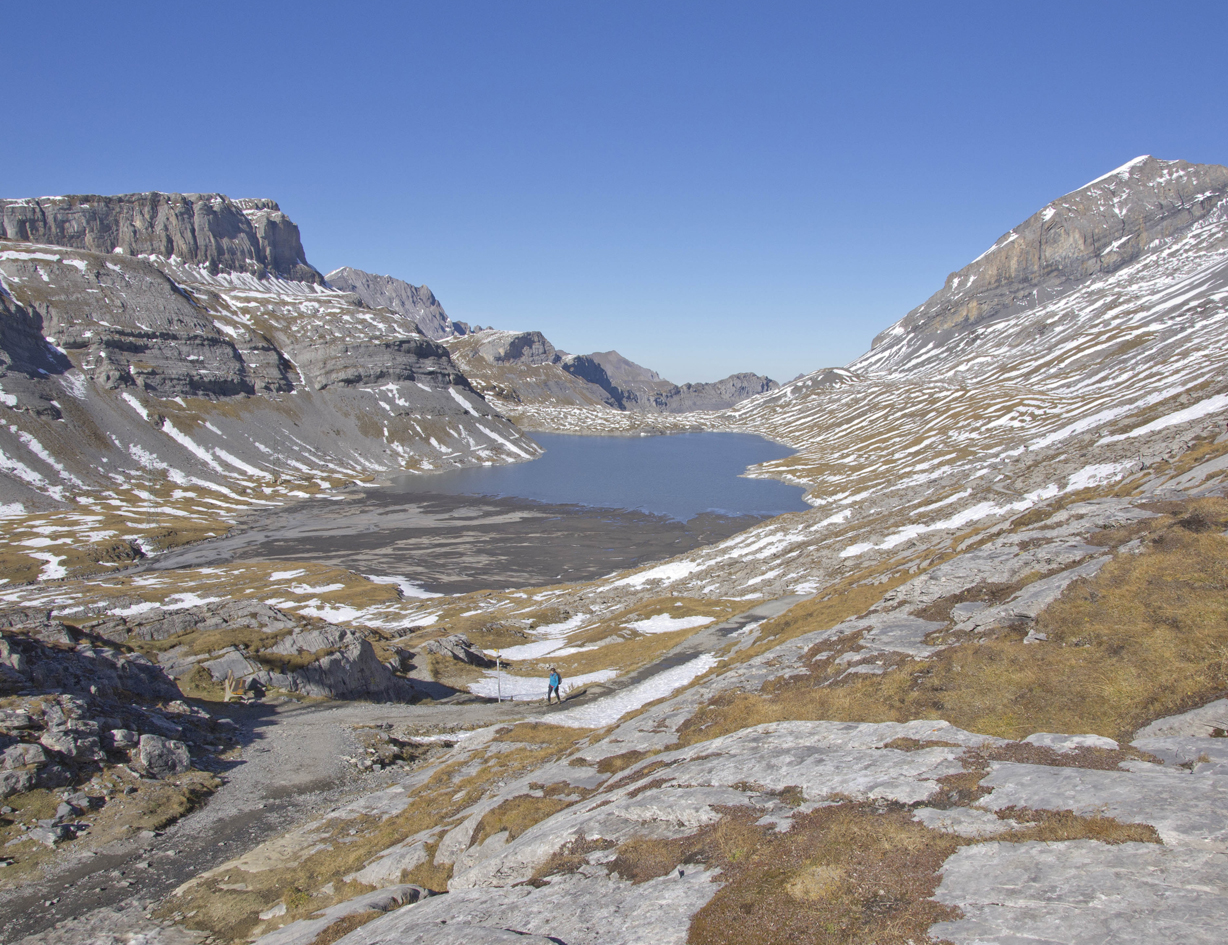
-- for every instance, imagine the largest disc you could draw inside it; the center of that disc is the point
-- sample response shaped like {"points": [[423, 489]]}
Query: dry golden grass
{"points": [[842, 874], [231, 915], [849, 873], [1061, 825], [556, 737], [345, 926], [516, 815], [612, 764], [1146, 638], [569, 858]]}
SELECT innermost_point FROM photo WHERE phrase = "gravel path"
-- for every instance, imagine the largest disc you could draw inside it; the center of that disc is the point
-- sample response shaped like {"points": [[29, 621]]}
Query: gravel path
{"points": [[292, 767]]}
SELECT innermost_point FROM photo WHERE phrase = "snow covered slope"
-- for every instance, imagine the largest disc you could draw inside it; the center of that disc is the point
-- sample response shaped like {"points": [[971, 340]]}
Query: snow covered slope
{"points": [[119, 369]]}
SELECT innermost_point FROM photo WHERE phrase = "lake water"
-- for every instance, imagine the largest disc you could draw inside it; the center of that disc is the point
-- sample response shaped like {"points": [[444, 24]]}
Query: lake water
{"points": [[678, 476], [590, 506]]}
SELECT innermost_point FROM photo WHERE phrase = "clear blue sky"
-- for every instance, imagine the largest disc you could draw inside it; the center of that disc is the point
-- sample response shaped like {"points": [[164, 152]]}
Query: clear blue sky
{"points": [[706, 187]]}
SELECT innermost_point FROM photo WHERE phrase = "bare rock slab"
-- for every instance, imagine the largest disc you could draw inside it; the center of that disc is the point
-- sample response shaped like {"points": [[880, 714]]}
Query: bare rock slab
{"points": [[1084, 893]]}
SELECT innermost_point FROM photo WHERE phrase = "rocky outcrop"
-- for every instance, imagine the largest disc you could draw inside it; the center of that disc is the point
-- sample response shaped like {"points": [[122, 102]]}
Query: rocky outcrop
{"points": [[523, 369], [137, 621], [510, 347], [301, 655], [74, 703], [1093, 231], [117, 365], [343, 666], [210, 230], [37, 651], [416, 302], [458, 647]]}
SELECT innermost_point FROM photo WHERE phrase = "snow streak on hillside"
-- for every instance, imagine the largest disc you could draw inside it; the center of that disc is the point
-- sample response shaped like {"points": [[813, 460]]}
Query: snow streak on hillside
{"points": [[988, 420]]}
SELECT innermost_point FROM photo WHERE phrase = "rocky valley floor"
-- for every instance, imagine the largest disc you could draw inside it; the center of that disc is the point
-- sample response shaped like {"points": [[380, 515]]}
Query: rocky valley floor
{"points": [[457, 544], [978, 693]]}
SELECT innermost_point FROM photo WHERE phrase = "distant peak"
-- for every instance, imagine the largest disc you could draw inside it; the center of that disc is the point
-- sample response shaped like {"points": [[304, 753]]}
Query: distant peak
{"points": [[1123, 172]]}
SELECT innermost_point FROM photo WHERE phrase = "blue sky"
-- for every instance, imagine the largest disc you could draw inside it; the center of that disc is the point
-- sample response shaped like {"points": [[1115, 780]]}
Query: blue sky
{"points": [[707, 187]]}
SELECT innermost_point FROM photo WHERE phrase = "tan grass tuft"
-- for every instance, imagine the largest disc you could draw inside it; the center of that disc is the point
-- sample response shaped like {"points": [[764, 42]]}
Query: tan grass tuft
{"points": [[516, 815], [1146, 638]]}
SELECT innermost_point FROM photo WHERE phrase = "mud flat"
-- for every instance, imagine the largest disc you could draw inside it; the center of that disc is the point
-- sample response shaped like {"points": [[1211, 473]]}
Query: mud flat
{"points": [[453, 544]]}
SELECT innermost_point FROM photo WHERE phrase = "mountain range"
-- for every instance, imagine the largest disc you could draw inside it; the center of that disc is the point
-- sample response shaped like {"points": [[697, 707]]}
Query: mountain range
{"points": [[513, 368], [975, 694]]}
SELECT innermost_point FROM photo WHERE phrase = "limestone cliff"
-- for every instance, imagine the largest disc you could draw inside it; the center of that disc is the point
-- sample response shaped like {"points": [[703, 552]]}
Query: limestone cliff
{"points": [[1093, 231], [207, 348], [209, 230], [413, 301]]}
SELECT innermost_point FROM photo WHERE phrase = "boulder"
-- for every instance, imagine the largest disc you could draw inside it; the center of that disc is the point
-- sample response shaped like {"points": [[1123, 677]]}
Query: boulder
{"points": [[458, 647], [50, 834], [163, 757], [15, 782], [121, 739], [22, 754], [74, 745]]}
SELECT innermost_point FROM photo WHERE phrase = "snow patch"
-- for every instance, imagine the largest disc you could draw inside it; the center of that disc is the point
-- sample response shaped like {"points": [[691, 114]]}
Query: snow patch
{"points": [[408, 587], [609, 710], [1196, 412], [664, 623]]}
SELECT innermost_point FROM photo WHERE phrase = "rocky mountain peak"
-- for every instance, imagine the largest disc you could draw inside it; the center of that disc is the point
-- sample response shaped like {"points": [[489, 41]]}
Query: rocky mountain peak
{"points": [[1095, 230], [524, 347], [413, 301], [213, 231]]}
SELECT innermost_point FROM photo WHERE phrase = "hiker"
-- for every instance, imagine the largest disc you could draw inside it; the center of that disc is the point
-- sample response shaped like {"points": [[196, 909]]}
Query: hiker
{"points": [[555, 681]]}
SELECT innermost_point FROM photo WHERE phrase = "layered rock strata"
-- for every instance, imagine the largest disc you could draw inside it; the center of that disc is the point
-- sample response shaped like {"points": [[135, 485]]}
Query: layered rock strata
{"points": [[212, 357], [416, 302], [210, 230]]}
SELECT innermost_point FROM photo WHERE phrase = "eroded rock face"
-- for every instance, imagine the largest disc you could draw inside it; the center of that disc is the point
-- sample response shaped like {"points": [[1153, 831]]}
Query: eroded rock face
{"points": [[1095, 230], [413, 301], [211, 230], [633, 387]]}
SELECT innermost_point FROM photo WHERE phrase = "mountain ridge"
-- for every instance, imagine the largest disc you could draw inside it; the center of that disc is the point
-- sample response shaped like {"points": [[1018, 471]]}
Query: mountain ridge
{"points": [[413, 301], [248, 235], [1096, 229]]}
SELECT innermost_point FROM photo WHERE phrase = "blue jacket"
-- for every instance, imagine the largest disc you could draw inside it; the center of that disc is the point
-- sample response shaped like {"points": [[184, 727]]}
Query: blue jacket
{"points": [[555, 679]]}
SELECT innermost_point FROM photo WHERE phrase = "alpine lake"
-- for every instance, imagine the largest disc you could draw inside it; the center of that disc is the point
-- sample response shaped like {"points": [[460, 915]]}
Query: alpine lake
{"points": [[589, 506]]}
